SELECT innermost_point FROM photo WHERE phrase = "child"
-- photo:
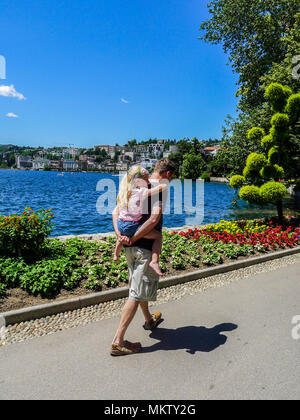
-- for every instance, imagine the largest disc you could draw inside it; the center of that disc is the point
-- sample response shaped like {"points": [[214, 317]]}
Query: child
{"points": [[133, 191]]}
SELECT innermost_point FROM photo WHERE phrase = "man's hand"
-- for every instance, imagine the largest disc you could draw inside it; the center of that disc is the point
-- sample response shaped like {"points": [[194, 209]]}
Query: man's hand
{"points": [[148, 225], [125, 240]]}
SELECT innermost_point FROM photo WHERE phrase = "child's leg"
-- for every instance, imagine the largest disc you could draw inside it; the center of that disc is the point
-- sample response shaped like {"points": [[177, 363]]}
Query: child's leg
{"points": [[118, 250], [156, 250]]}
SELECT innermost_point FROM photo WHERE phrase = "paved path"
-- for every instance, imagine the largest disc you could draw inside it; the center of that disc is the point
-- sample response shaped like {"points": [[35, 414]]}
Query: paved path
{"points": [[233, 342]]}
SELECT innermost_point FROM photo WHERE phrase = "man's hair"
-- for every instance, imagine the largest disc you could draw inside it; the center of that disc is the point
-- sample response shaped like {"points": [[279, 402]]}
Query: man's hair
{"points": [[165, 165]]}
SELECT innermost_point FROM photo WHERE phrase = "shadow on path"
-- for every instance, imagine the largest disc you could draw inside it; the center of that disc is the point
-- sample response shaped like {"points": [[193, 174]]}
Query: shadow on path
{"points": [[192, 339]]}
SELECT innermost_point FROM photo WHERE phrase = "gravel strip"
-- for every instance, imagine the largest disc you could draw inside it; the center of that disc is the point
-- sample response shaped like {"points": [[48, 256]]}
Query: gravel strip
{"points": [[63, 321]]}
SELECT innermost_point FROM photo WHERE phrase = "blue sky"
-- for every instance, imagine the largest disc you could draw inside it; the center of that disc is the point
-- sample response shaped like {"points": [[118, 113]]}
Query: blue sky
{"points": [[101, 72]]}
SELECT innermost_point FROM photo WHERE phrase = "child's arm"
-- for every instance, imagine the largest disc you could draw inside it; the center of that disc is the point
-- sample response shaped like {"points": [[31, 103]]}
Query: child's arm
{"points": [[156, 190]]}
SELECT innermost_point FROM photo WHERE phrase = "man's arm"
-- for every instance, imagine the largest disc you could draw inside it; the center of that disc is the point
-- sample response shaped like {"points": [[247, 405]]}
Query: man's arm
{"points": [[149, 225]]}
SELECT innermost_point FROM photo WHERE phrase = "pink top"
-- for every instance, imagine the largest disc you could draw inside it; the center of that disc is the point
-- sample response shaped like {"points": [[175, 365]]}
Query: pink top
{"points": [[134, 211]]}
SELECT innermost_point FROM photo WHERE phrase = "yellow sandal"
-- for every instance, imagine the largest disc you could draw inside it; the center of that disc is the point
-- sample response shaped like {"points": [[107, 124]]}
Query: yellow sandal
{"points": [[155, 321], [127, 348]]}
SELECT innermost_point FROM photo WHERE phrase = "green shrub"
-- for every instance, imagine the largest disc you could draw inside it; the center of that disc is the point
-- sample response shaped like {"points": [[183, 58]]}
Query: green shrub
{"points": [[267, 142], [277, 95], [77, 276], [256, 134], [237, 181], [205, 176], [24, 235], [2, 290], [272, 192], [251, 194], [293, 107], [273, 155], [46, 277], [272, 171], [11, 270], [255, 161], [280, 121]]}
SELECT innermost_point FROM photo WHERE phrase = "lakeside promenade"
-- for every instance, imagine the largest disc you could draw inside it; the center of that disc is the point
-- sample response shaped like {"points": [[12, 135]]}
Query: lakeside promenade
{"points": [[229, 340]]}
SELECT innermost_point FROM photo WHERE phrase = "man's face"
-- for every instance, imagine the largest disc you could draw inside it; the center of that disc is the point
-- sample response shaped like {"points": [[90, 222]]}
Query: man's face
{"points": [[169, 175]]}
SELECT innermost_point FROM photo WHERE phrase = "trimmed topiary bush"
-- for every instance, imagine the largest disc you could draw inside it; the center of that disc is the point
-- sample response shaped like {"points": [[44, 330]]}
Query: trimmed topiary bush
{"points": [[272, 171], [277, 95], [293, 107], [237, 181], [251, 194], [273, 155], [256, 134], [272, 192], [255, 162], [264, 171], [280, 121], [267, 142]]}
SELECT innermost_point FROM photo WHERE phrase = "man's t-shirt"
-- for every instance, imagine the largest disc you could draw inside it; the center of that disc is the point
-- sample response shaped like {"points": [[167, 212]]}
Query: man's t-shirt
{"points": [[150, 203]]}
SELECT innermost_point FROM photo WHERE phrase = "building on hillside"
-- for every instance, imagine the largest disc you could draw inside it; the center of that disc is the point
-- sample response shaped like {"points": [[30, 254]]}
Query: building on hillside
{"points": [[156, 149], [39, 164], [24, 162], [70, 165], [110, 150], [70, 154], [127, 156], [211, 150], [122, 167], [172, 150], [148, 163], [82, 165], [56, 164], [83, 158]]}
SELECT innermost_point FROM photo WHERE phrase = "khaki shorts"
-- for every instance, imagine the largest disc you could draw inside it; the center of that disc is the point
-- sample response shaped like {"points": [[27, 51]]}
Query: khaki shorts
{"points": [[143, 281]]}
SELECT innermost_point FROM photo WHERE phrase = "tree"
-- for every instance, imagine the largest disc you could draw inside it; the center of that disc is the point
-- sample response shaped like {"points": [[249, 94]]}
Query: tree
{"points": [[192, 166], [282, 72], [251, 32], [264, 170]]}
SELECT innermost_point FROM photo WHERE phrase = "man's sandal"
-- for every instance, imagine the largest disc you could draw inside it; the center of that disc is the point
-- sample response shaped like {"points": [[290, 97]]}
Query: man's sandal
{"points": [[127, 348], [156, 319]]}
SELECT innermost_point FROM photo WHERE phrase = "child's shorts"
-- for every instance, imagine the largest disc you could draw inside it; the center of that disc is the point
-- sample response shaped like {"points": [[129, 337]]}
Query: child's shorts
{"points": [[128, 228]]}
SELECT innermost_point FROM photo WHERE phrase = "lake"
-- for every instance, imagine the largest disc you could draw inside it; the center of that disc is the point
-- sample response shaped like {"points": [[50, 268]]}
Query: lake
{"points": [[73, 198]]}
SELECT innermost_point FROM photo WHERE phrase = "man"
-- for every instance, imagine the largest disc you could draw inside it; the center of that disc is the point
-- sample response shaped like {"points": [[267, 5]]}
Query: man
{"points": [[143, 281]]}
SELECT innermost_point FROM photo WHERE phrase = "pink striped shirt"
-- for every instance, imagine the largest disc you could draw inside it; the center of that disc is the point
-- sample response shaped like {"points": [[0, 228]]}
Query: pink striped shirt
{"points": [[133, 213]]}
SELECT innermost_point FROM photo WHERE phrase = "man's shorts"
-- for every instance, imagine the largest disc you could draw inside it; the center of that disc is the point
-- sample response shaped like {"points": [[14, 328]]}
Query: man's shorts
{"points": [[143, 281]]}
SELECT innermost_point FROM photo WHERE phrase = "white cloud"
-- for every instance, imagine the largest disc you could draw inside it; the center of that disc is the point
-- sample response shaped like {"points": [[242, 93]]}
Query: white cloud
{"points": [[12, 115], [124, 101], [10, 91]]}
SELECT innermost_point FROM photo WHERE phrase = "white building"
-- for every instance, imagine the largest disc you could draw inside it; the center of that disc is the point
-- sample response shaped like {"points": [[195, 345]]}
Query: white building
{"points": [[39, 164], [70, 165], [211, 150], [156, 149], [24, 162], [148, 163]]}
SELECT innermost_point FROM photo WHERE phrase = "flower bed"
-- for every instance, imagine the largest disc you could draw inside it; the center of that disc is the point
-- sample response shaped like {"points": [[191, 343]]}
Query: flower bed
{"points": [[76, 266]]}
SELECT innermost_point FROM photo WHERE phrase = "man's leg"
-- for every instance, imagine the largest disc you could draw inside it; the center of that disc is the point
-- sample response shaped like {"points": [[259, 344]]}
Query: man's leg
{"points": [[128, 313], [145, 309]]}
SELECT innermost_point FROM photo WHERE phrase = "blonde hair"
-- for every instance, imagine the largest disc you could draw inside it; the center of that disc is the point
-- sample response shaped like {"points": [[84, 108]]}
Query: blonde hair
{"points": [[127, 184]]}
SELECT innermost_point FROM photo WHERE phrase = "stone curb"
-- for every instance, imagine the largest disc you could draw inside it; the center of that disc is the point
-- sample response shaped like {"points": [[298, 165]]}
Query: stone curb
{"points": [[41, 311]]}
